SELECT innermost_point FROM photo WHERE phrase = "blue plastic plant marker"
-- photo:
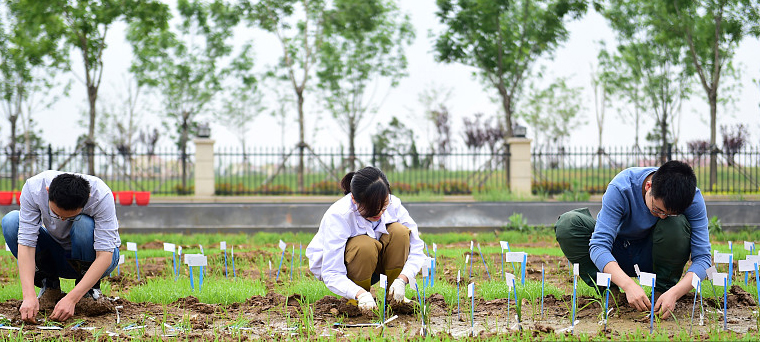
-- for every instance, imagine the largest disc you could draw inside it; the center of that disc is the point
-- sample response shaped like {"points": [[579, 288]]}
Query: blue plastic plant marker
{"points": [[137, 264], [282, 256], [419, 300], [226, 274], [471, 255], [725, 302], [192, 283], [432, 265], [427, 250], [174, 263], [232, 256], [484, 261], [542, 291], [730, 267], [385, 300], [606, 303], [516, 304], [118, 270], [575, 285], [757, 282], [524, 266], [300, 251], [292, 261], [651, 312], [746, 277], [435, 261], [513, 264], [459, 310], [200, 281], [472, 309], [694, 306]]}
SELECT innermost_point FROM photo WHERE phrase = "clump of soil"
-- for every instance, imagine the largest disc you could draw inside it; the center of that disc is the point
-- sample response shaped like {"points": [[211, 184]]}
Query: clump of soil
{"points": [[49, 298], [330, 305], [78, 335], [90, 307], [740, 297], [192, 303]]}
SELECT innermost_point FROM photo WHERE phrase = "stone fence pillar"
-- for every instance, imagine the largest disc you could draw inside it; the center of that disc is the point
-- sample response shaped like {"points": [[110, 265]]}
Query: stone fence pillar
{"points": [[520, 170], [204, 167]]}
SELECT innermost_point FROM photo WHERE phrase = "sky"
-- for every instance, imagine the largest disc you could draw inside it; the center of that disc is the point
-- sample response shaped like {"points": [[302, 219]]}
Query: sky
{"points": [[63, 121]]}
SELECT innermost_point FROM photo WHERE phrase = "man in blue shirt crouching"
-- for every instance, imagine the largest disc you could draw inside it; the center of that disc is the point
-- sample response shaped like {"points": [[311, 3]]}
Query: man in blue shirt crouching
{"points": [[651, 217]]}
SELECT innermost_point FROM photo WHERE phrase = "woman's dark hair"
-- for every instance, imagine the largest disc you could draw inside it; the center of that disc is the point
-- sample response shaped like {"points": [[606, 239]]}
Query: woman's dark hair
{"points": [[675, 184], [69, 192], [370, 189]]}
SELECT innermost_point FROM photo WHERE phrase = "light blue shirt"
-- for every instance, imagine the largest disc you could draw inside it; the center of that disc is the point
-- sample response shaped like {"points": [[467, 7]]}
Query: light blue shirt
{"points": [[35, 212], [625, 214]]}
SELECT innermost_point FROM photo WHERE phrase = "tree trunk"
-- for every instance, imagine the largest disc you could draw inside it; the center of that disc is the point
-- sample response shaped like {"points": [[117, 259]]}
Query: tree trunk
{"points": [[506, 102], [351, 145], [713, 97], [301, 140], [183, 151], [664, 138], [14, 154], [92, 96]]}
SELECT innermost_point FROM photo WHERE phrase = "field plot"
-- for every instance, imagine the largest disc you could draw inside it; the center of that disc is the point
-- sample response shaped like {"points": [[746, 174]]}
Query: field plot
{"points": [[253, 301]]}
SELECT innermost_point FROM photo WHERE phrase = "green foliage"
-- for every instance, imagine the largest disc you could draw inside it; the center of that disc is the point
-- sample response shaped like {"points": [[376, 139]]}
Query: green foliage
{"points": [[553, 112], [327, 187], [714, 227], [517, 222], [364, 42], [549, 187], [503, 39]]}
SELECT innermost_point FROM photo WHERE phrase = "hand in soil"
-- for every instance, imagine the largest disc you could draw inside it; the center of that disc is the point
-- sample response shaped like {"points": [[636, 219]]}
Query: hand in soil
{"points": [[665, 304], [29, 309], [637, 298], [64, 309]]}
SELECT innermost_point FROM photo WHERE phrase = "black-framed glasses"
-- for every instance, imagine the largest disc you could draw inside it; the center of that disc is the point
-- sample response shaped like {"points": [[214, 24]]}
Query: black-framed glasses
{"points": [[68, 219]]}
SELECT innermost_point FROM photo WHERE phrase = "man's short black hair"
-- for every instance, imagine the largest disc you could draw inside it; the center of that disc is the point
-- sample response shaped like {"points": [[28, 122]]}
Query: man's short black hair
{"points": [[69, 192], [675, 184]]}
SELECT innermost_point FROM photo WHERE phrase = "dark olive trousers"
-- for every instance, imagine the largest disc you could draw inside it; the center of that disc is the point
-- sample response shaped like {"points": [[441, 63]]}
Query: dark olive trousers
{"points": [[664, 251]]}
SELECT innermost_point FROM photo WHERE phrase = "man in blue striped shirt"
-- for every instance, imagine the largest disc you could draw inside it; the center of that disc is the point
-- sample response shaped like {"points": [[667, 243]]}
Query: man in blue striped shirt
{"points": [[651, 217]]}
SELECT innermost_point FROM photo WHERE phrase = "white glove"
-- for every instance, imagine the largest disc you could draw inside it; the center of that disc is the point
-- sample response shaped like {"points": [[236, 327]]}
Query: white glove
{"points": [[397, 290], [366, 302]]}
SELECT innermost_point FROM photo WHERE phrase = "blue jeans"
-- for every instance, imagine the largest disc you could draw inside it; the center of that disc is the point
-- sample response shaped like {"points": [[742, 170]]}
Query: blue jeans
{"points": [[50, 257]]}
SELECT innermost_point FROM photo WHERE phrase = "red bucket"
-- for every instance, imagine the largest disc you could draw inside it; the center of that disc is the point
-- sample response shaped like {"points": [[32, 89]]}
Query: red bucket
{"points": [[18, 197], [125, 197], [142, 197], [6, 197], [114, 196]]}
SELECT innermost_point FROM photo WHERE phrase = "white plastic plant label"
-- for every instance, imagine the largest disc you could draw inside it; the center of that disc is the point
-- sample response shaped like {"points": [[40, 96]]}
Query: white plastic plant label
{"points": [[131, 246], [749, 246], [647, 279], [746, 265], [459, 276], [201, 247], [466, 258], [383, 280], [435, 248], [223, 245], [270, 265], [711, 271], [121, 259], [636, 268], [472, 245], [196, 260], [7, 249], [169, 247], [425, 265], [515, 256], [719, 279], [179, 249], [283, 245], [602, 279], [730, 245], [509, 278], [470, 290], [722, 258], [695, 283], [576, 269], [504, 245], [754, 258]]}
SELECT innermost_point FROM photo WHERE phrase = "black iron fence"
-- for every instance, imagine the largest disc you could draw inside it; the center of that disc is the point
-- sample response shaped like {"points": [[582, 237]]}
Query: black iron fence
{"points": [[274, 171], [158, 171], [588, 169]]}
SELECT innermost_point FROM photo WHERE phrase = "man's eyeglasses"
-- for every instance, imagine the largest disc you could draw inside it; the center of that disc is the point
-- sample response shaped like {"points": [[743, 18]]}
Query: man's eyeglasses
{"points": [[68, 219], [657, 211]]}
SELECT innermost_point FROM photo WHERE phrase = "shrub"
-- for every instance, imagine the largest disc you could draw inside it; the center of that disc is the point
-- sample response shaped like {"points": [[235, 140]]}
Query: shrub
{"points": [[274, 189], [402, 188], [454, 187], [180, 190], [549, 187], [326, 187], [425, 187]]}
